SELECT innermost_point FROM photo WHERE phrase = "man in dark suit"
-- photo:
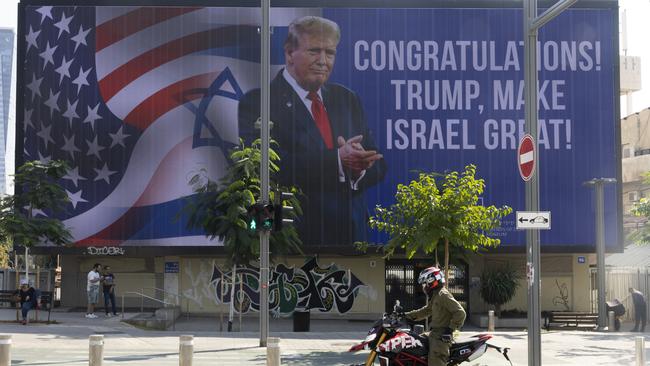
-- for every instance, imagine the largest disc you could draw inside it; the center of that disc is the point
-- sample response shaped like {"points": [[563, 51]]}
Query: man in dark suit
{"points": [[325, 146]]}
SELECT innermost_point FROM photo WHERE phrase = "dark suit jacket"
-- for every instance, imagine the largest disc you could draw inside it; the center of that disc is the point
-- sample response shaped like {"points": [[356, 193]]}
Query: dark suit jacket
{"points": [[333, 213]]}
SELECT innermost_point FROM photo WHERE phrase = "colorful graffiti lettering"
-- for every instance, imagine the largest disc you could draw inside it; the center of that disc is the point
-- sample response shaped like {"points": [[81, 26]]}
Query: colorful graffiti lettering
{"points": [[308, 288]]}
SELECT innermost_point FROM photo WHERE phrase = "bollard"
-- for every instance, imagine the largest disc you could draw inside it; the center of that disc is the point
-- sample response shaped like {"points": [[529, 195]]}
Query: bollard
{"points": [[273, 351], [612, 321], [5, 349], [491, 321], [185, 350], [640, 351], [96, 350]]}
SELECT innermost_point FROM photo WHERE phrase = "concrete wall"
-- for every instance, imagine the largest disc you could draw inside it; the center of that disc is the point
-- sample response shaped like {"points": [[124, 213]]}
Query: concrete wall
{"points": [[131, 274], [562, 275], [563, 279]]}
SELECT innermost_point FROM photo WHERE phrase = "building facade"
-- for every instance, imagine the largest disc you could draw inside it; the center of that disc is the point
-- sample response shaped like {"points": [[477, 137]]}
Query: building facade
{"points": [[635, 145]]}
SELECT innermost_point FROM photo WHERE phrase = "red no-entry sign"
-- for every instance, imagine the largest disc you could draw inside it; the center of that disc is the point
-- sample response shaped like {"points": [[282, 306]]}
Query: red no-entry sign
{"points": [[526, 157]]}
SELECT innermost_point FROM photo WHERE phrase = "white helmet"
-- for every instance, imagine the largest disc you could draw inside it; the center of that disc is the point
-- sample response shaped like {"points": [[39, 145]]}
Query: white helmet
{"points": [[433, 277]]}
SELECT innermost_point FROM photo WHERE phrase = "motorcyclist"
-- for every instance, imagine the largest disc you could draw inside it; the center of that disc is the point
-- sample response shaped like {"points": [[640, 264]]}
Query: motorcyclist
{"points": [[446, 315]]}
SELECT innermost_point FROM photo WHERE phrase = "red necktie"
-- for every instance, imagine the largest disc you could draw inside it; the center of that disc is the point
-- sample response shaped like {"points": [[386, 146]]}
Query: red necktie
{"points": [[321, 119]]}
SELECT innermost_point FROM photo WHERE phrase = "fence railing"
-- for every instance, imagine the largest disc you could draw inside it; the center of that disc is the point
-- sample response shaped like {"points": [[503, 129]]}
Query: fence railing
{"points": [[617, 283], [143, 296], [179, 297]]}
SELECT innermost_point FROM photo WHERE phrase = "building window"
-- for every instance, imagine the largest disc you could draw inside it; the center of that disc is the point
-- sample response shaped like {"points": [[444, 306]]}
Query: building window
{"points": [[627, 152]]}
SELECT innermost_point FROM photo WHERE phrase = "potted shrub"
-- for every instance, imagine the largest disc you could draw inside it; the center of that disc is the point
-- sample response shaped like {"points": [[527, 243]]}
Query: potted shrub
{"points": [[499, 285]]}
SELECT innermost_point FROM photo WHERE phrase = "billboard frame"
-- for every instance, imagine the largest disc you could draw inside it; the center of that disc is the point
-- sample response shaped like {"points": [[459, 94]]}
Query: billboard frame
{"points": [[406, 4]]}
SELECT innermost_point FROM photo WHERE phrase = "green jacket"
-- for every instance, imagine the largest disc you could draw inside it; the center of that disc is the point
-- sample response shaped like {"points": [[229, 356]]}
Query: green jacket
{"points": [[444, 311]]}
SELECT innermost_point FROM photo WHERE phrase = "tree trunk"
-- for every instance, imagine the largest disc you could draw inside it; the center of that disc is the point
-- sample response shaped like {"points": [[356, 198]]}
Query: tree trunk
{"points": [[446, 261], [232, 297], [26, 263]]}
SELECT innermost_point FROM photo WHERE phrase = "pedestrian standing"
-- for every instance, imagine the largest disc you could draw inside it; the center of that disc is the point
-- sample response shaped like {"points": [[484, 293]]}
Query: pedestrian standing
{"points": [[92, 287], [108, 287], [640, 310]]}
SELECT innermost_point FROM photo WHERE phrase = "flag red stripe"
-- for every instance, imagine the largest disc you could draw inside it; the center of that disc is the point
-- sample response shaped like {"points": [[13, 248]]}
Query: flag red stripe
{"points": [[130, 71], [169, 98], [132, 22]]}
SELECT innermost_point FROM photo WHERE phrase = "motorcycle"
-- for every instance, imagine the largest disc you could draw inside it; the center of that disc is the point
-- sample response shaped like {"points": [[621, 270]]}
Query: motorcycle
{"points": [[397, 346]]}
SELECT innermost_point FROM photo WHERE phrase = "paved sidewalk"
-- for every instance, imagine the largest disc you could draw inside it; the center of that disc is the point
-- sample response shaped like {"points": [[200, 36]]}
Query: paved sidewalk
{"points": [[66, 343]]}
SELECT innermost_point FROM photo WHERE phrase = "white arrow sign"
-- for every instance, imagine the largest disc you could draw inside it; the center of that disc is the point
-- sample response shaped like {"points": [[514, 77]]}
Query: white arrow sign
{"points": [[540, 220]]}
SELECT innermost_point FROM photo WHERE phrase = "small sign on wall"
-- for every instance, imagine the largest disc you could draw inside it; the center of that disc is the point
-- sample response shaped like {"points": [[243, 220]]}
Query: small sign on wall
{"points": [[171, 267], [581, 259]]}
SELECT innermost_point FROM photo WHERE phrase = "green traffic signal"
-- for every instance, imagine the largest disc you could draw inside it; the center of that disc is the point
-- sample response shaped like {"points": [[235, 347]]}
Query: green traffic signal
{"points": [[252, 225], [260, 217]]}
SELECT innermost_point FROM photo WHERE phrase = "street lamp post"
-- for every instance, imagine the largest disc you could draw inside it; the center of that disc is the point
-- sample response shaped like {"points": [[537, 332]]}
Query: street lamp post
{"points": [[599, 185]]}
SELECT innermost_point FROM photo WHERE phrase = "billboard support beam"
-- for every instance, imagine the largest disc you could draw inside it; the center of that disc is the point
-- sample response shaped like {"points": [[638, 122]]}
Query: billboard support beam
{"points": [[598, 184], [532, 22], [265, 64]]}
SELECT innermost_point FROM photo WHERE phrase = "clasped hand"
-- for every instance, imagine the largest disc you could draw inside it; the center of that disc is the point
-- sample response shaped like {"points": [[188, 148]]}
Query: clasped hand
{"points": [[354, 157]]}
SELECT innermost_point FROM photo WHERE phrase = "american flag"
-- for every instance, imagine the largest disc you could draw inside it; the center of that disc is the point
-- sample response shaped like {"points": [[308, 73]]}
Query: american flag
{"points": [[137, 100]]}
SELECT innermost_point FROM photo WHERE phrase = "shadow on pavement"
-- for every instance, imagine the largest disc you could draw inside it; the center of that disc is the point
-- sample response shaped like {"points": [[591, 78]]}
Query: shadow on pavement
{"points": [[319, 358]]}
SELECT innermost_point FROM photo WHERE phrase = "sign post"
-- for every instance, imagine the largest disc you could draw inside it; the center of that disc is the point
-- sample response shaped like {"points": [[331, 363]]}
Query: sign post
{"points": [[532, 22]]}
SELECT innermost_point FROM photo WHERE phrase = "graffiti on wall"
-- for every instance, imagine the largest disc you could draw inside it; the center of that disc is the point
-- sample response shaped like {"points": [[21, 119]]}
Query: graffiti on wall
{"points": [[105, 251], [309, 287]]}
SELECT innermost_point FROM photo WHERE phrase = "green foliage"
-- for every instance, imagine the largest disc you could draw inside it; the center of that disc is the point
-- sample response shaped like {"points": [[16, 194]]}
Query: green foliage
{"points": [[433, 210], [642, 209], [220, 208], [37, 188], [499, 285]]}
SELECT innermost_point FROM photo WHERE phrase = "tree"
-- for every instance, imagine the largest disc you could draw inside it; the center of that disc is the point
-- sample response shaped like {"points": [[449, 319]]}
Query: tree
{"points": [[220, 209], [37, 190], [428, 213], [499, 285], [642, 209]]}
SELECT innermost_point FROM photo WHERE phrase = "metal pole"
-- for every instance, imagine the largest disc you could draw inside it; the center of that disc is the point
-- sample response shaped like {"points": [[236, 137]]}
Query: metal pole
{"points": [[532, 186], [599, 184], [532, 22], [264, 169], [600, 253]]}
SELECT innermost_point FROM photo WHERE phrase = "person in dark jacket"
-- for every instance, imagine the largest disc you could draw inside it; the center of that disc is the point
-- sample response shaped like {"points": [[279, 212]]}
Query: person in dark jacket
{"points": [[640, 309], [108, 287], [446, 315], [28, 298]]}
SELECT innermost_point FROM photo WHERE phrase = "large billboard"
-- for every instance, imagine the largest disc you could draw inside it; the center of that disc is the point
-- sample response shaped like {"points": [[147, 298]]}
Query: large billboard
{"points": [[139, 99]]}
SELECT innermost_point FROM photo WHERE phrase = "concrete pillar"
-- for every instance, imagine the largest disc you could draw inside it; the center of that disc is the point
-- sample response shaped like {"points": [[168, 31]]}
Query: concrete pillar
{"points": [[185, 350], [491, 321], [5, 349], [640, 351], [612, 321], [273, 351], [96, 350]]}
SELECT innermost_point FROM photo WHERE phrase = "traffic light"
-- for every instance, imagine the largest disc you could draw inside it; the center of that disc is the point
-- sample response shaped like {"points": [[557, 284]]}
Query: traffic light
{"points": [[260, 217], [282, 213]]}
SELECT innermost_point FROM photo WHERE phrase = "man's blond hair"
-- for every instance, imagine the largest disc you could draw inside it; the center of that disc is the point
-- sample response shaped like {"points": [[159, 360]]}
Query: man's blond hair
{"points": [[311, 25]]}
